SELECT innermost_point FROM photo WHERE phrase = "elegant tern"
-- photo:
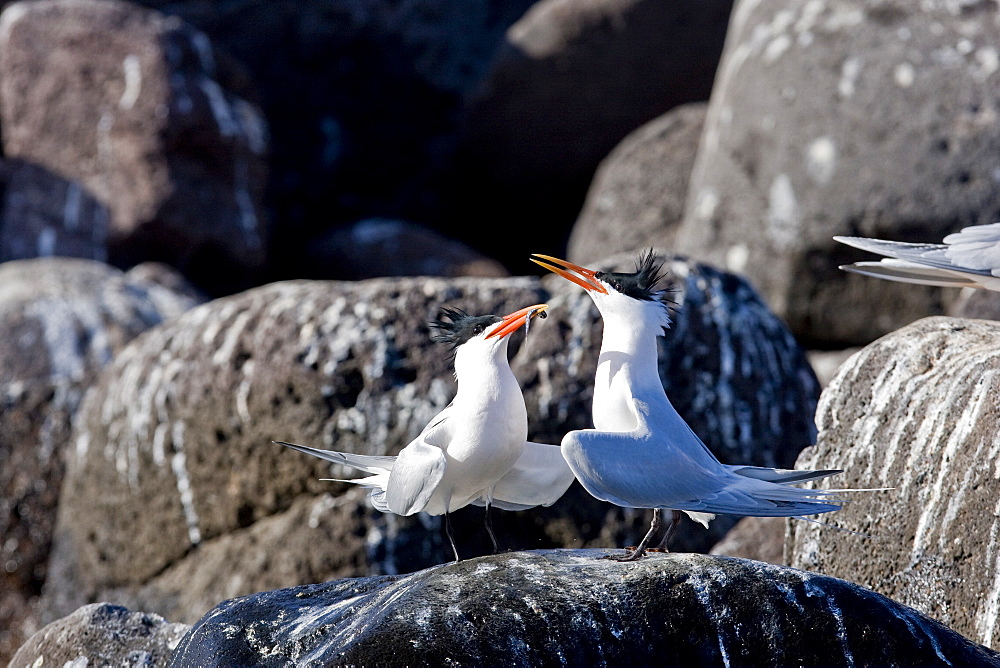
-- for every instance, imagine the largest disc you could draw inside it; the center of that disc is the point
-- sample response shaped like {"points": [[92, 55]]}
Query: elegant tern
{"points": [[969, 258], [475, 451], [641, 453]]}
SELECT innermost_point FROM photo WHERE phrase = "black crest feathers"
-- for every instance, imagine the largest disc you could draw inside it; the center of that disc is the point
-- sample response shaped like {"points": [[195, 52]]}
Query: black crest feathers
{"points": [[455, 327]]}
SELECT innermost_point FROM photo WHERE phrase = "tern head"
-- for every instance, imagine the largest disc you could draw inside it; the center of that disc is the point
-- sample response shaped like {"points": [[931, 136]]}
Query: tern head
{"points": [[634, 296], [482, 334]]}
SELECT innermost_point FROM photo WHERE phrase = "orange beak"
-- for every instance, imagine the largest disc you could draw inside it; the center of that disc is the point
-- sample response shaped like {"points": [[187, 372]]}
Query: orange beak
{"points": [[580, 275], [513, 321]]}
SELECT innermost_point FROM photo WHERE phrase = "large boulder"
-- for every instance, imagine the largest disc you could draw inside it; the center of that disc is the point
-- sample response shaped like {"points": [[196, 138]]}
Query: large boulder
{"points": [[572, 80], [916, 411], [62, 321], [845, 117], [638, 193], [101, 634], [573, 607], [138, 110], [172, 468]]}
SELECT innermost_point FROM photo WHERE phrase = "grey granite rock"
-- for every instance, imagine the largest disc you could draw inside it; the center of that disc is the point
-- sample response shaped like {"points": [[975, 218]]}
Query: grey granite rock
{"points": [[101, 634], [62, 321], [558, 608], [845, 117], [139, 111], [916, 411]]}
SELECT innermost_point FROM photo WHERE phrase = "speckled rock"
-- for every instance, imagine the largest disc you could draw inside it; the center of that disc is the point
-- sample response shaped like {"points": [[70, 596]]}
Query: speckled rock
{"points": [[139, 110], [382, 247], [572, 80], [878, 120], [62, 321], [638, 193], [729, 365], [558, 608], [172, 459], [101, 634], [916, 411], [44, 215]]}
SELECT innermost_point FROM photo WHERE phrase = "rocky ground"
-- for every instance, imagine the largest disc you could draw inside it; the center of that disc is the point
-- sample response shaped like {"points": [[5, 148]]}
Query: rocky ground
{"points": [[222, 225]]}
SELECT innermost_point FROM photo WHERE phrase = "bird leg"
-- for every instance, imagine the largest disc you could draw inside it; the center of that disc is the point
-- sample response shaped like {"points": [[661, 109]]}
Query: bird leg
{"points": [[489, 529], [451, 536], [675, 519], [641, 550]]}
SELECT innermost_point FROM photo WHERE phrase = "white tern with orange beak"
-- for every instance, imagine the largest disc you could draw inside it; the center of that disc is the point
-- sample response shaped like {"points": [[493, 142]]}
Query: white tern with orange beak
{"points": [[476, 451], [641, 453]]}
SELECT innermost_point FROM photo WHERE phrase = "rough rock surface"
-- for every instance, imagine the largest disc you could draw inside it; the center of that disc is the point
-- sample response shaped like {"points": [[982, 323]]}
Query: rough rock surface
{"points": [[638, 192], [101, 634], [45, 215], [557, 608], [878, 120], [382, 247], [62, 321], [172, 457], [729, 366], [138, 110], [757, 538], [573, 79], [917, 411]]}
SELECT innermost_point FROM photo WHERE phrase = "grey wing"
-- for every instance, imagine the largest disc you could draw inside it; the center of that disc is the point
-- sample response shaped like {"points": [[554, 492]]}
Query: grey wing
{"points": [[976, 248], [917, 274], [539, 478], [781, 476], [418, 469]]}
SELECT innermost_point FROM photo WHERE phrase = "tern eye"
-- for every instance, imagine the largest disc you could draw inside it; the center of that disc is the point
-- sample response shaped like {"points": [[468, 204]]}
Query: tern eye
{"points": [[478, 329]]}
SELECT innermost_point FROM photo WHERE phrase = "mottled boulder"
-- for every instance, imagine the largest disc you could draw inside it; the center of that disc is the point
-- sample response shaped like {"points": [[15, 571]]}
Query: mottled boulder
{"points": [[381, 247], [845, 117], [729, 366], [138, 110], [101, 634], [558, 608], [916, 411], [572, 80], [62, 321], [172, 466], [638, 192], [44, 215]]}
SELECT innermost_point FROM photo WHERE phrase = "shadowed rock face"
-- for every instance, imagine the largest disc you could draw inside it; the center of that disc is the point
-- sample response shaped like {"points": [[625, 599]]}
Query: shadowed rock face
{"points": [[917, 410], [572, 607]]}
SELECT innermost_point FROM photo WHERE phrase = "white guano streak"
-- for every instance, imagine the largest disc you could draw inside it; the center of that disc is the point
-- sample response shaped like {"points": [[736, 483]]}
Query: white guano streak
{"points": [[178, 465]]}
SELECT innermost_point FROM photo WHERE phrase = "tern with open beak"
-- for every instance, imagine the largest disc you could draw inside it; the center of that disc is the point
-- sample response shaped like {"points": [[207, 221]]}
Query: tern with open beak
{"points": [[969, 258], [641, 453], [476, 451]]}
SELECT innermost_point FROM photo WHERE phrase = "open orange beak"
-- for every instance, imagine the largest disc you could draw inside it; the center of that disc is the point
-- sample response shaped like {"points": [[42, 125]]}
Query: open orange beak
{"points": [[580, 275], [512, 322]]}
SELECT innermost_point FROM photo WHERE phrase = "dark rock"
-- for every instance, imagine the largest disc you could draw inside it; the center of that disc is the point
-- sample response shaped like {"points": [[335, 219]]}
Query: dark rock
{"points": [[757, 538], [102, 634], [362, 99], [173, 467], [729, 365], [62, 320], [638, 193], [878, 121], [381, 247], [573, 79], [134, 107], [915, 411], [45, 215], [557, 608]]}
